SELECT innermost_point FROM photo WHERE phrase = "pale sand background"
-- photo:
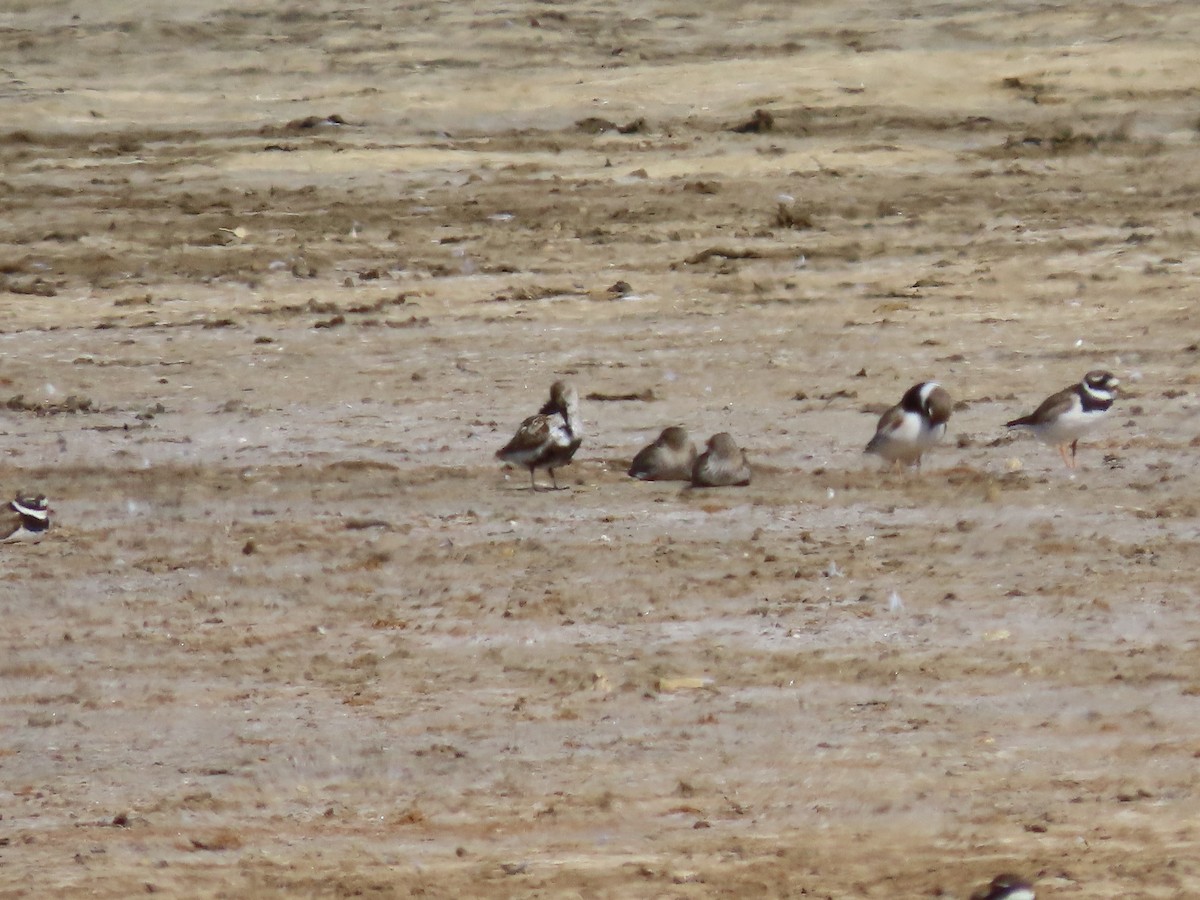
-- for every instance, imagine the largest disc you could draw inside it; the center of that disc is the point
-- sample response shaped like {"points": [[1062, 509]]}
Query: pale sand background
{"points": [[835, 683]]}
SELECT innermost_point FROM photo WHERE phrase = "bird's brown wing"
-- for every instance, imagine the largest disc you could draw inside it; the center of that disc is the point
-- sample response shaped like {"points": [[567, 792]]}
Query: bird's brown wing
{"points": [[1052, 406], [888, 422], [643, 464], [530, 437]]}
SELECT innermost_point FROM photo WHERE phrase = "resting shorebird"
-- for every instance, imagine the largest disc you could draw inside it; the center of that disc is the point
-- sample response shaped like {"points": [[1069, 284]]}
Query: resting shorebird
{"points": [[1073, 412], [721, 464], [24, 519], [549, 439], [913, 425], [1005, 887], [669, 458]]}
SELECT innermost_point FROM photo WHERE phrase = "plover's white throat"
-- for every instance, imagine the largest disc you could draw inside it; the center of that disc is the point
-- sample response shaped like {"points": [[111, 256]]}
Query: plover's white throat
{"points": [[722, 464], [669, 458], [907, 430], [1072, 413], [1005, 887], [549, 439], [24, 519]]}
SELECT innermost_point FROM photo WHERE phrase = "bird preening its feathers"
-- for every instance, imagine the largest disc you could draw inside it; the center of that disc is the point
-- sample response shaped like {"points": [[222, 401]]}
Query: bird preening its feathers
{"points": [[913, 425], [549, 439]]}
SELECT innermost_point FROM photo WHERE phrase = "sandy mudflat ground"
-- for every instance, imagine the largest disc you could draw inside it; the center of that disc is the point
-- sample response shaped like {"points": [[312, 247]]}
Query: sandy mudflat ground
{"points": [[277, 280]]}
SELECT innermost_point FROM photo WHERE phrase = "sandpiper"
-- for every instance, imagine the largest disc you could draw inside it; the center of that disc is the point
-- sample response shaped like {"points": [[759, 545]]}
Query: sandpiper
{"points": [[721, 464], [549, 439], [669, 458], [1073, 412]]}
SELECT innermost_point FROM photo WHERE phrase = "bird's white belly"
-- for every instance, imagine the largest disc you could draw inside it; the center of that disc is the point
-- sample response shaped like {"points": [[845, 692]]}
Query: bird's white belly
{"points": [[1070, 426], [907, 442]]}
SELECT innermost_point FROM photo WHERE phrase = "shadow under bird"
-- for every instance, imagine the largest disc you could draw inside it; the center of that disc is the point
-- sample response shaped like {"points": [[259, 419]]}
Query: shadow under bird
{"points": [[24, 519], [722, 464], [1005, 887], [907, 430], [1072, 413], [549, 439], [669, 458]]}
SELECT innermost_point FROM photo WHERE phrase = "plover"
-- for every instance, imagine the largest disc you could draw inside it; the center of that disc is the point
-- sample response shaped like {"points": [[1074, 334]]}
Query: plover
{"points": [[549, 439], [669, 458], [1073, 412], [913, 425], [24, 519], [721, 464], [1005, 887]]}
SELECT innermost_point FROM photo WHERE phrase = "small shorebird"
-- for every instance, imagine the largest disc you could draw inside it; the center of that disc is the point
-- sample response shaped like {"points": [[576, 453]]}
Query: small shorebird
{"points": [[549, 439], [24, 519], [669, 458], [913, 425], [1073, 412], [1005, 887], [721, 464]]}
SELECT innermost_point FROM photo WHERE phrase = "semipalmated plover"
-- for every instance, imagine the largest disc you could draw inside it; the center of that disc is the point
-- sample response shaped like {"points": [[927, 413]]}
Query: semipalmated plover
{"points": [[670, 458], [24, 519], [549, 439], [913, 425], [1005, 887], [721, 464], [1065, 417]]}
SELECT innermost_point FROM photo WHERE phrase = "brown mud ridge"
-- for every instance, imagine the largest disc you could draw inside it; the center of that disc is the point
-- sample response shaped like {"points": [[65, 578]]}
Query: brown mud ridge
{"points": [[277, 282]]}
